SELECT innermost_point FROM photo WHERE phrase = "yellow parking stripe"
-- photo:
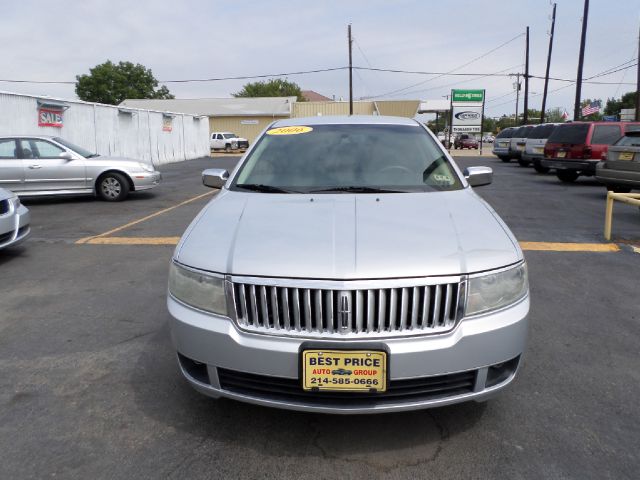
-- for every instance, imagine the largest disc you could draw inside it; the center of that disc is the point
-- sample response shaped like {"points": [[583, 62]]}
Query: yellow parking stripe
{"points": [[530, 246], [132, 241], [143, 219], [569, 247]]}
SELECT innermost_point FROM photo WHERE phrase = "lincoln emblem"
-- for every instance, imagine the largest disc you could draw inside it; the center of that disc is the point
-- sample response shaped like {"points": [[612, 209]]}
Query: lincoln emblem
{"points": [[344, 313]]}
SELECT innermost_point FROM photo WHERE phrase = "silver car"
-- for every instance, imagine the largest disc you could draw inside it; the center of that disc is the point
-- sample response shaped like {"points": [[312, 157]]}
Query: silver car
{"points": [[44, 165], [14, 219], [534, 146], [518, 140], [347, 266], [502, 142]]}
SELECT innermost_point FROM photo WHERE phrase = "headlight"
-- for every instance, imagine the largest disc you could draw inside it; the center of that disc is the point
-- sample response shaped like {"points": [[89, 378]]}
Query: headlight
{"points": [[497, 290], [146, 167], [200, 290]]}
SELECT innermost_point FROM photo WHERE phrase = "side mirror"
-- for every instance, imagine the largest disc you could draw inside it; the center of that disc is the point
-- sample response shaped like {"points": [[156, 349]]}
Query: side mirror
{"points": [[215, 177], [477, 176], [66, 156]]}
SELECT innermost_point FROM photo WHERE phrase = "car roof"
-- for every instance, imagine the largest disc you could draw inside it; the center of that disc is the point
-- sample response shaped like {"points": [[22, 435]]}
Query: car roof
{"points": [[350, 120], [29, 136]]}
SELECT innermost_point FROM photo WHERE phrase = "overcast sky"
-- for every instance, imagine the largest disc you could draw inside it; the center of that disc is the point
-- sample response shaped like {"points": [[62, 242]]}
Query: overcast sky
{"points": [[45, 40]]}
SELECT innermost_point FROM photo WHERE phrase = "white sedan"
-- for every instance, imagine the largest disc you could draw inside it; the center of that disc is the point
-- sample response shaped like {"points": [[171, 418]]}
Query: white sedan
{"points": [[14, 219]]}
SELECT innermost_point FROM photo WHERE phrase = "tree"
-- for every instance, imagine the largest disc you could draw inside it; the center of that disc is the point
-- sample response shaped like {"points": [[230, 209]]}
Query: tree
{"points": [[613, 107], [554, 115], [275, 87], [110, 83]]}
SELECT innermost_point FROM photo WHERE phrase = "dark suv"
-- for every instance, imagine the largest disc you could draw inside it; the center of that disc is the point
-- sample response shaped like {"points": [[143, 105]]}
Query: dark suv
{"points": [[575, 149], [465, 141]]}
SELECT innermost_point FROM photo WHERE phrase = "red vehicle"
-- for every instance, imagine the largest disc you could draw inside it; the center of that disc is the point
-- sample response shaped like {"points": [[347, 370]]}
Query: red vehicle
{"points": [[465, 141], [575, 148]]}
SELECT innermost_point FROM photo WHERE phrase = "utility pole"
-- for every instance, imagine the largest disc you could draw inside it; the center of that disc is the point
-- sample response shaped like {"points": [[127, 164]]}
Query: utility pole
{"points": [[638, 84], [350, 73], [525, 117], [546, 75], [517, 95], [583, 38]]}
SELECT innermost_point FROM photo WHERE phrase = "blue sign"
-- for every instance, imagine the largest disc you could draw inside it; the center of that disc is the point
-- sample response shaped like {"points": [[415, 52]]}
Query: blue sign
{"points": [[610, 118]]}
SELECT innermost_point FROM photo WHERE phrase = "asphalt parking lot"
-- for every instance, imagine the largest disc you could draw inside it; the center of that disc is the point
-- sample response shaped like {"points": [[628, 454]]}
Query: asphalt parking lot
{"points": [[90, 387]]}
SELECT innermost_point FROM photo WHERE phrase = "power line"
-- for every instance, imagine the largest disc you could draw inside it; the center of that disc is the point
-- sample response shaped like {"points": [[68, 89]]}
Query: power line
{"points": [[440, 74]]}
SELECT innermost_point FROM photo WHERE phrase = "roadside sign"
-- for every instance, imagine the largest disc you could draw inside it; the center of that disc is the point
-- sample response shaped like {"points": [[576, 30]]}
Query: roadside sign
{"points": [[474, 96]]}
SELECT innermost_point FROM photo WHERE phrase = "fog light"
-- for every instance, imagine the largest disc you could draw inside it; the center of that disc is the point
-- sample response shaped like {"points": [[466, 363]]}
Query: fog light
{"points": [[500, 372]]}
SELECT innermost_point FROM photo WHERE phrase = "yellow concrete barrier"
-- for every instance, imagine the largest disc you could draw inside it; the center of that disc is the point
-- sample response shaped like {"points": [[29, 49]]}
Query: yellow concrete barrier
{"points": [[628, 198]]}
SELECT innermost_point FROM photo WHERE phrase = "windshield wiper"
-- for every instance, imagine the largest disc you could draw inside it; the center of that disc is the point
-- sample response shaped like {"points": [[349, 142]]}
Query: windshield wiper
{"points": [[356, 189], [259, 187]]}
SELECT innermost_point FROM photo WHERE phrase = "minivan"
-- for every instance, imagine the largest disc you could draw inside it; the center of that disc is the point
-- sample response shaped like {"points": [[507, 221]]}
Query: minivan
{"points": [[501, 144], [534, 146], [575, 148], [516, 145]]}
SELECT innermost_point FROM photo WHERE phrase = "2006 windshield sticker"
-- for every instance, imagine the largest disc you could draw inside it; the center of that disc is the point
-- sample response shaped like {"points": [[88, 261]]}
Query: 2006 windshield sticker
{"points": [[296, 130]]}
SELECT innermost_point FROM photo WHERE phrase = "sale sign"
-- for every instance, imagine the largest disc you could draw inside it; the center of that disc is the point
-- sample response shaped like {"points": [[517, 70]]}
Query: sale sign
{"points": [[48, 117]]}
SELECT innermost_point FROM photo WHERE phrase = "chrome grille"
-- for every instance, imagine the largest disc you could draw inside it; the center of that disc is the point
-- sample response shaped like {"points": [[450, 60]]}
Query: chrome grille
{"points": [[363, 312]]}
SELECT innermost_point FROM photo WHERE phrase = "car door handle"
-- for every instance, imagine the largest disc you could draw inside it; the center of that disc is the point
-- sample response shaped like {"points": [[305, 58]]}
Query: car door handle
{"points": [[35, 167]]}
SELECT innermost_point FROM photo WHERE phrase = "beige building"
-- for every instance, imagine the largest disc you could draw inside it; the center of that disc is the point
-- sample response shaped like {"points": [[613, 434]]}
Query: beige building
{"points": [[247, 117]]}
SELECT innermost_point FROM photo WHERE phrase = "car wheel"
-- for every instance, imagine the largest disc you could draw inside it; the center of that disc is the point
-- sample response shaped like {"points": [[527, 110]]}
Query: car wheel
{"points": [[234, 146], [539, 168], [524, 163], [567, 176], [618, 189], [505, 159], [227, 148], [113, 187]]}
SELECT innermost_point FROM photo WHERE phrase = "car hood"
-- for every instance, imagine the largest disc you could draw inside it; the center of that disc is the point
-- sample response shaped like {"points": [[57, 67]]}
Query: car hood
{"points": [[346, 236]]}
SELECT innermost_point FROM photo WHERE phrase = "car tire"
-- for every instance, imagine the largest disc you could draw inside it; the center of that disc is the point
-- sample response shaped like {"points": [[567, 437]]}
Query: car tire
{"points": [[567, 176], [523, 163], [505, 159], [112, 187], [540, 168], [234, 146], [618, 189]]}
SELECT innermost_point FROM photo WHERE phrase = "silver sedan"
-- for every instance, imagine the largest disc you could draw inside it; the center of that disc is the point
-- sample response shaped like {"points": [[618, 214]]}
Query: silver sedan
{"points": [[14, 219], [347, 266], [44, 165]]}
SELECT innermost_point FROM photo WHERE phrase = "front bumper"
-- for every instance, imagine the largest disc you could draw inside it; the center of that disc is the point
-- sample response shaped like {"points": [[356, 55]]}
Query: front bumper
{"points": [[146, 180], [584, 166], [210, 343], [14, 226]]}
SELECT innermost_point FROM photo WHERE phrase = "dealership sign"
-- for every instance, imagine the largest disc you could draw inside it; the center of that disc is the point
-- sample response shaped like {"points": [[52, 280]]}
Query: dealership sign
{"points": [[474, 96], [467, 110], [49, 117]]}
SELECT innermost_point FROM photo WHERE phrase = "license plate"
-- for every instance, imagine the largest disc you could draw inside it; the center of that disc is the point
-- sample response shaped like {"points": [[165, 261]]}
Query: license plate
{"points": [[561, 154], [504, 144], [538, 149], [521, 148], [625, 156], [344, 370]]}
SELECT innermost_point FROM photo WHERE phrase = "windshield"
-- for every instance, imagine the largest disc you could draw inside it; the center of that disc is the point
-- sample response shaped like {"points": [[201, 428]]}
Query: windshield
{"points": [[85, 153], [571, 133], [356, 158], [631, 139], [507, 133], [229, 135]]}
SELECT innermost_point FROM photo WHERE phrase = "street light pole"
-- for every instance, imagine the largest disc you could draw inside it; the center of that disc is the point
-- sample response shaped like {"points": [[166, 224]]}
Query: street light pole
{"points": [[350, 73]]}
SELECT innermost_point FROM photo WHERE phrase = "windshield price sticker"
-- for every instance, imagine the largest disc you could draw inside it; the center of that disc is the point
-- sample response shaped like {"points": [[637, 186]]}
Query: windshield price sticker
{"points": [[289, 130], [344, 370]]}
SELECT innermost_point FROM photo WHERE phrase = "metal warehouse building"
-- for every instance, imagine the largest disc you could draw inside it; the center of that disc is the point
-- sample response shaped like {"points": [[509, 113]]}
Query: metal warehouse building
{"points": [[246, 117]]}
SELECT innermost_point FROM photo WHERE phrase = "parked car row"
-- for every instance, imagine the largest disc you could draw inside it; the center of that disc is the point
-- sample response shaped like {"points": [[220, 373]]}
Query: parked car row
{"points": [[610, 151]]}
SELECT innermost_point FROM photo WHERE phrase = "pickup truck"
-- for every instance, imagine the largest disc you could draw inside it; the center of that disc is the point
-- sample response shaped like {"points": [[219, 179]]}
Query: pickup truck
{"points": [[227, 141]]}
